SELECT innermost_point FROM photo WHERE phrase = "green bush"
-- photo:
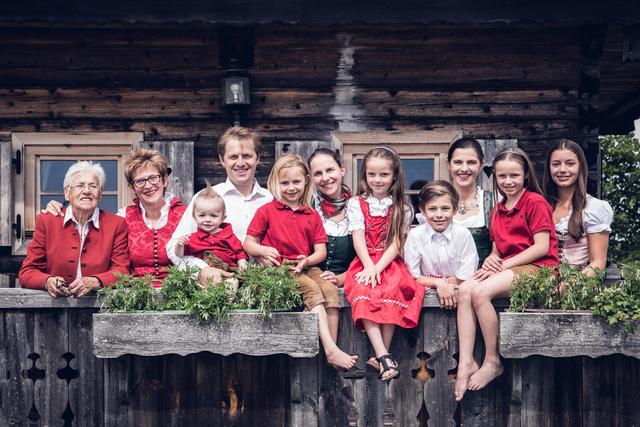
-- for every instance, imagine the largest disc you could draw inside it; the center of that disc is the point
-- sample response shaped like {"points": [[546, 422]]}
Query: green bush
{"points": [[621, 188]]}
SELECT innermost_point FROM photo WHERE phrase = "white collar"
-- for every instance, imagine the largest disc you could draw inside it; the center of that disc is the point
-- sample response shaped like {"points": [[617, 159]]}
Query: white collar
{"points": [[168, 197], [228, 187], [432, 234], [95, 217], [384, 202]]}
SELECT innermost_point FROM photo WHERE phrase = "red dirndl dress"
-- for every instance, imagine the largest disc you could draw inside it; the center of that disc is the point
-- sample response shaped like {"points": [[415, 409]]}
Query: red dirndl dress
{"points": [[397, 299]]}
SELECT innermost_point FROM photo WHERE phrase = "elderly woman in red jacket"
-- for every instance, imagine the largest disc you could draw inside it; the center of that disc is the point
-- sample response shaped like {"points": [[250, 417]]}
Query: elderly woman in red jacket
{"points": [[82, 250]]}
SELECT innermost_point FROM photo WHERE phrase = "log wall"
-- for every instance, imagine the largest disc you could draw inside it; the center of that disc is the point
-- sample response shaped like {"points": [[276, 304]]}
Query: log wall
{"points": [[51, 377], [494, 81]]}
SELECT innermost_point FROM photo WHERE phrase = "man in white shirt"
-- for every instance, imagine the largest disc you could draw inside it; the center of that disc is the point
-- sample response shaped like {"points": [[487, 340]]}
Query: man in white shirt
{"points": [[239, 153]]}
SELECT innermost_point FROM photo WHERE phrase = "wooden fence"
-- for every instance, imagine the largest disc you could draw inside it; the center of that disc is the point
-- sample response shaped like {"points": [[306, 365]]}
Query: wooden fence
{"points": [[50, 376]]}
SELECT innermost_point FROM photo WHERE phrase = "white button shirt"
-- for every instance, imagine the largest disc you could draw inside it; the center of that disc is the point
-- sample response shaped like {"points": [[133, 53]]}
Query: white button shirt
{"points": [[82, 231], [240, 210], [450, 253]]}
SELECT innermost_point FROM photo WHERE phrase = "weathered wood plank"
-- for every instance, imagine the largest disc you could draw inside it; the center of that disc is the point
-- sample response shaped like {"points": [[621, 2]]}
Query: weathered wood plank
{"points": [[146, 388], [116, 391], [565, 334], [85, 399], [6, 194], [32, 298], [179, 155], [295, 334]]}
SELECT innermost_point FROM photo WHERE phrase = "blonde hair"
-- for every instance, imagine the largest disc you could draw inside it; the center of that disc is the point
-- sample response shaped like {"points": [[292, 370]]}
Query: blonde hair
{"points": [[397, 226], [242, 135], [287, 162], [208, 193], [145, 157]]}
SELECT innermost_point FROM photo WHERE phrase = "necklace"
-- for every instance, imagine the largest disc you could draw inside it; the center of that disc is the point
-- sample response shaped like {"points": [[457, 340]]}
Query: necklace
{"points": [[463, 207]]}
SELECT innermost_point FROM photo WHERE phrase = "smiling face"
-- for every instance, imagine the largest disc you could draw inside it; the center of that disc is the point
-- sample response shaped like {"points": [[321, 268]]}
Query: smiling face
{"points": [[149, 193], [510, 178], [240, 160], [209, 213], [291, 183], [439, 212], [564, 167], [379, 176], [327, 175], [464, 167], [83, 192]]}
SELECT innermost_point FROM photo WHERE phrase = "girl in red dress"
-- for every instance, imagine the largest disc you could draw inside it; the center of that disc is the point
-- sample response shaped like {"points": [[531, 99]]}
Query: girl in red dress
{"points": [[378, 285]]}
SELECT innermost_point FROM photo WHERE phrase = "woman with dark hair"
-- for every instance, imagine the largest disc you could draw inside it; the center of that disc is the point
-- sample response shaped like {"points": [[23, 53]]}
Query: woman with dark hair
{"points": [[583, 223], [464, 160]]}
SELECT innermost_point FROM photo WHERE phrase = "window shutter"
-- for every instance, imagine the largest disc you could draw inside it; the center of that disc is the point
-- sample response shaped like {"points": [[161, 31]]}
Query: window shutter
{"points": [[179, 154], [491, 147], [6, 194]]}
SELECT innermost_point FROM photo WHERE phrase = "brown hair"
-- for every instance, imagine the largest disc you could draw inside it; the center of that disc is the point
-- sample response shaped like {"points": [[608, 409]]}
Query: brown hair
{"points": [[466, 142], [240, 134], [286, 162], [334, 154], [145, 157], [579, 199], [517, 155], [208, 193], [438, 189], [396, 234]]}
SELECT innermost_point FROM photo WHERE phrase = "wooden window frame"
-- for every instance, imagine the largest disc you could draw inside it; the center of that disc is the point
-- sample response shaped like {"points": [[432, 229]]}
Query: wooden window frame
{"points": [[35, 146], [409, 145]]}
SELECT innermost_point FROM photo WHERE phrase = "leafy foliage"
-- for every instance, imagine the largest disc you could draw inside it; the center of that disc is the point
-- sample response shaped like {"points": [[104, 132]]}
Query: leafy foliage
{"points": [[620, 303], [621, 187], [267, 288], [129, 294], [263, 288], [213, 302]]}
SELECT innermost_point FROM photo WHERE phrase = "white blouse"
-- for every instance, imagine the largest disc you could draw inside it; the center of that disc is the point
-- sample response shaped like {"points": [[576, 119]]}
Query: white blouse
{"points": [[164, 213], [597, 217], [377, 207], [450, 253]]}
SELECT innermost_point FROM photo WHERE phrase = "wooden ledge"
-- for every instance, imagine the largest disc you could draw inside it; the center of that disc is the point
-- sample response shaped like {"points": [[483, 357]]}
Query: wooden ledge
{"points": [[18, 298], [157, 333], [556, 333]]}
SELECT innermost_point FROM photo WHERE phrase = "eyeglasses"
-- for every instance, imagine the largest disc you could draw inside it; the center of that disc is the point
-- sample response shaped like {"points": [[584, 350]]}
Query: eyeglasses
{"points": [[79, 188], [152, 179]]}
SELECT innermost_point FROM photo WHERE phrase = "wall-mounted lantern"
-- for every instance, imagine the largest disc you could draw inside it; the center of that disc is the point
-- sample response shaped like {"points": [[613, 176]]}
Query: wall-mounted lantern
{"points": [[235, 95]]}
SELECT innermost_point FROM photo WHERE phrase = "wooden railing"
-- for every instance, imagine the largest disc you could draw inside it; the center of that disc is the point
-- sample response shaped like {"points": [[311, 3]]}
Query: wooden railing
{"points": [[49, 375]]}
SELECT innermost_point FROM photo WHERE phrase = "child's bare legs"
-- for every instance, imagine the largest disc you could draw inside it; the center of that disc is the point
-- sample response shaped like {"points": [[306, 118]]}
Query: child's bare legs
{"points": [[495, 286], [328, 330], [380, 337], [467, 366]]}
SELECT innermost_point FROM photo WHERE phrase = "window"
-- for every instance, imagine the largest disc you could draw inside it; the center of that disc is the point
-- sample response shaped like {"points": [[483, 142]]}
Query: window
{"points": [[43, 160], [423, 154]]}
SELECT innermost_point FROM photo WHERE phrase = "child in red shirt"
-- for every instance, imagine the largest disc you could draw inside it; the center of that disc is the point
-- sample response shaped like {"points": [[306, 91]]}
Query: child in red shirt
{"points": [[213, 235], [524, 239], [288, 231]]}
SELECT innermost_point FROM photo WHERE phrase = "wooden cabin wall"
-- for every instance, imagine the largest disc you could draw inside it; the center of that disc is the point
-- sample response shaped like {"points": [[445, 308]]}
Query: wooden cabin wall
{"points": [[493, 81]]}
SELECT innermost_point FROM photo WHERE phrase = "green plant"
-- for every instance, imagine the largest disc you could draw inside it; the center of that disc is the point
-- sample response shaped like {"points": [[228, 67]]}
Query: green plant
{"points": [[621, 187], [179, 287], [213, 302], [129, 293], [535, 291], [266, 289], [578, 290], [620, 303]]}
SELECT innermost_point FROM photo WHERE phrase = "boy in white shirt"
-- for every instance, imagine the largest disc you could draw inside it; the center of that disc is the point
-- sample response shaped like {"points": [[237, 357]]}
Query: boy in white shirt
{"points": [[440, 254]]}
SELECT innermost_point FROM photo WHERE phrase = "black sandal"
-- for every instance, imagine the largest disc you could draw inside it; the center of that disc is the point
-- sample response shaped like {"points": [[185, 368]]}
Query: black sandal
{"points": [[384, 361]]}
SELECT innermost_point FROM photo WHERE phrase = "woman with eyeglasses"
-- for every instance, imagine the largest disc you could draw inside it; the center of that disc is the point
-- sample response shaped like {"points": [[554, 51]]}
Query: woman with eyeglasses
{"points": [[83, 250], [152, 218]]}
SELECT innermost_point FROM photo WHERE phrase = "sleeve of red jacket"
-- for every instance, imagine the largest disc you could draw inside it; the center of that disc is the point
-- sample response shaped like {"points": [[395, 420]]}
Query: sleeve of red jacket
{"points": [[119, 256], [33, 271]]}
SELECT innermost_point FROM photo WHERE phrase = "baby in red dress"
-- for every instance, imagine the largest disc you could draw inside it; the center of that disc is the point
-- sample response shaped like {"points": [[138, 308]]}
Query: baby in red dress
{"points": [[214, 241]]}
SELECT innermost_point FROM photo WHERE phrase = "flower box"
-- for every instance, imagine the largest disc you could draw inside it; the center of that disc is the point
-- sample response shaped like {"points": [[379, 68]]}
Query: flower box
{"points": [[176, 332], [556, 333]]}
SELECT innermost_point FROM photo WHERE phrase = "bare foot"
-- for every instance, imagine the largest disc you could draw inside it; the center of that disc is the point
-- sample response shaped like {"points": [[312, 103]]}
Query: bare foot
{"points": [[462, 378], [340, 360], [487, 373]]}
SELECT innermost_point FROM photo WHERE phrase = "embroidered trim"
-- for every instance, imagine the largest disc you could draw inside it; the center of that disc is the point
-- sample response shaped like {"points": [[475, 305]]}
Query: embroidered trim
{"points": [[388, 301]]}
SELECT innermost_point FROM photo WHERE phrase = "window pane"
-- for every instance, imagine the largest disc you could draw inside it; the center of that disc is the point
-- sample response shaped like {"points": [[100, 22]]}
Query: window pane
{"points": [[46, 199], [109, 203], [52, 174], [417, 172], [111, 171]]}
